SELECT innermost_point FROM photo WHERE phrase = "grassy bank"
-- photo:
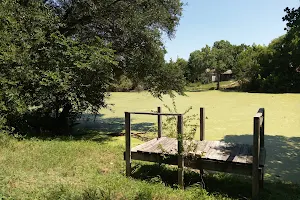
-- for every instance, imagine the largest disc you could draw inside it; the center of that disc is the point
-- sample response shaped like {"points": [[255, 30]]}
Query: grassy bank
{"points": [[72, 168], [198, 87]]}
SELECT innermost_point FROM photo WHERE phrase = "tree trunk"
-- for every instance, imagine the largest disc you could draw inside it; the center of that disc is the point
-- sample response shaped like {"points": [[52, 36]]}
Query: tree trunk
{"points": [[218, 82], [63, 119]]}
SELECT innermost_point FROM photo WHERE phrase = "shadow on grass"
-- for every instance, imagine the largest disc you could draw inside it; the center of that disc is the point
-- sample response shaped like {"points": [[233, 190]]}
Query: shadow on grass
{"points": [[90, 126], [283, 155], [113, 125], [98, 128], [233, 89], [233, 186]]}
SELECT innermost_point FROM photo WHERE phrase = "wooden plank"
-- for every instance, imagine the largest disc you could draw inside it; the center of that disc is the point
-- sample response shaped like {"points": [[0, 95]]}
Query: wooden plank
{"points": [[157, 148], [170, 147], [212, 150], [148, 145], [207, 148], [128, 143], [196, 163], [220, 152], [241, 157], [141, 146], [200, 148], [152, 145], [225, 149], [159, 122], [180, 151], [233, 152], [145, 145], [202, 124], [173, 147]]}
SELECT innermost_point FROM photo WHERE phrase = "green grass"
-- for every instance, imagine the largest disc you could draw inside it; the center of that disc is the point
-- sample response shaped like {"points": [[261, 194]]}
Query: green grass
{"points": [[91, 166], [197, 87], [88, 169]]}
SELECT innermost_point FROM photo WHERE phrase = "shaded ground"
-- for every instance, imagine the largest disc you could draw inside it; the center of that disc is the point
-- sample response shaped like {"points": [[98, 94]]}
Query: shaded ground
{"points": [[233, 186], [283, 155]]}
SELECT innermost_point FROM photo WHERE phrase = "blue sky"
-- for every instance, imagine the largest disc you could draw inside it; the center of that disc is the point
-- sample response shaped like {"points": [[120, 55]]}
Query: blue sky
{"points": [[238, 21]]}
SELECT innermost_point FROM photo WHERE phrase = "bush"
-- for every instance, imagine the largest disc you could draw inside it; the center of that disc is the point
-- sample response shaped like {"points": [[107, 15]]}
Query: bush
{"points": [[6, 140], [123, 84]]}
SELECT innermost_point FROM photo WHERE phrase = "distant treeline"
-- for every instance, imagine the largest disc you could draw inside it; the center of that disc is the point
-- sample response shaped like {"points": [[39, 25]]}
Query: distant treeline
{"points": [[274, 68], [258, 68]]}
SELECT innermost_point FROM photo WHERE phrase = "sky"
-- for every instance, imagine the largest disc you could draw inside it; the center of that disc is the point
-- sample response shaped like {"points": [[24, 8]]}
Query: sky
{"points": [[238, 21]]}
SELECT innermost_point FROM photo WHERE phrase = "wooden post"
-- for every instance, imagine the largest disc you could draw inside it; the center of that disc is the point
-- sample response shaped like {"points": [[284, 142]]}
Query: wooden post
{"points": [[202, 124], [128, 145], [261, 178], [255, 164], [159, 122], [180, 151], [262, 132], [262, 145], [202, 130]]}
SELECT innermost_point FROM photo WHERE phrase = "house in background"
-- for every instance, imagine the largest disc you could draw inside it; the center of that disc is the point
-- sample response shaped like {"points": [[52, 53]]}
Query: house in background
{"points": [[226, 76]]}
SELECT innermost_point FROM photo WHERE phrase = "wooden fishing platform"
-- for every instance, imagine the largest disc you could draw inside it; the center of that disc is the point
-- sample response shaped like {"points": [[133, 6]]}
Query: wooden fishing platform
{"points": [[200, 154]]}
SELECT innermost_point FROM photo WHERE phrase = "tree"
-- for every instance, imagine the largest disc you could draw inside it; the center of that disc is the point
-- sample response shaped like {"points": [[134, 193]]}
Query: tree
{"points": [[133, 28], [247, 65], [198, 62], [182, 64], [59, 57], [292, 39], [46, 74], [222, 58]]}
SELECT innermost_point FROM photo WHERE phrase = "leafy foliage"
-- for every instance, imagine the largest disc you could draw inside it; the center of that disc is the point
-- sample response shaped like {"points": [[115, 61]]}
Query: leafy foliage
{"points": [[58, 58], [198, 62], [190, 127], [134, 29]]}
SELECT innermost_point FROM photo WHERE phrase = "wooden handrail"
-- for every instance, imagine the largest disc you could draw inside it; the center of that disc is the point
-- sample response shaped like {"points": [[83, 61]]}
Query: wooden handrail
{"points": [[151, 113]]}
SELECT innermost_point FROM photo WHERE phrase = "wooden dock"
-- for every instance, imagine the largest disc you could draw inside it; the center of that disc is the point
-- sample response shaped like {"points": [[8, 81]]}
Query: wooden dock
{"points": [[210, 155], [200, 154]]}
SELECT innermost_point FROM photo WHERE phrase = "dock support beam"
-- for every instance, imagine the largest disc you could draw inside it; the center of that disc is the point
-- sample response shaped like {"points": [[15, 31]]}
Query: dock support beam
{"points": [[159, 123], [128, 143], [180, 151]]}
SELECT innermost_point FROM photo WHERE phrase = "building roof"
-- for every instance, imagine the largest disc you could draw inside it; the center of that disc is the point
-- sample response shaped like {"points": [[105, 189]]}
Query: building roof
{"points": [[213, 70], [228, 72]]}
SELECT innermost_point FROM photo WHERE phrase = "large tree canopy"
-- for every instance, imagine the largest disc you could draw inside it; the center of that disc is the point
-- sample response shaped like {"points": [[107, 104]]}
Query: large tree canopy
{"points": [[198, 62], [59, 57], [222, 58], [134, 29]]}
